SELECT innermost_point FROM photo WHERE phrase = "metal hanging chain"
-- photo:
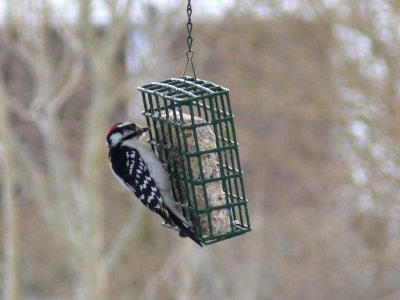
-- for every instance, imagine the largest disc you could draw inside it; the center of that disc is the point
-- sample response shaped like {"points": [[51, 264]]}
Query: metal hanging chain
{"points": [[189, 52]]}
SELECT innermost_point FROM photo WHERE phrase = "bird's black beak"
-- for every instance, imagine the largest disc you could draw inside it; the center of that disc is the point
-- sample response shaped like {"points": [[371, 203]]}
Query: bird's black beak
{"points": [[142, 130]]}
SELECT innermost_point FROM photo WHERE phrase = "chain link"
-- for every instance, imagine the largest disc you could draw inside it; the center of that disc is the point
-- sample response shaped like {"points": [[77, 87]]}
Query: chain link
{"points": [[189, 26], [189, 52]]}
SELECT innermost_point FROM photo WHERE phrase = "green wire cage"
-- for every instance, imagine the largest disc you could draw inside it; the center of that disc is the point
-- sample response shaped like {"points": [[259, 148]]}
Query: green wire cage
{"points": [[192, 131]]}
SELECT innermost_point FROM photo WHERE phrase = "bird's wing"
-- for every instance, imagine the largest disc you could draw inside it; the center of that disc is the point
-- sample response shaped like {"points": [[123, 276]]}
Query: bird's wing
{"points": [[135, 175]]}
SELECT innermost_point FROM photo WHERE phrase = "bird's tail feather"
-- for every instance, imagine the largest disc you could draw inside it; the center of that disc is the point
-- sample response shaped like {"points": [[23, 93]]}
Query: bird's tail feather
{"points": [[185, 230]]}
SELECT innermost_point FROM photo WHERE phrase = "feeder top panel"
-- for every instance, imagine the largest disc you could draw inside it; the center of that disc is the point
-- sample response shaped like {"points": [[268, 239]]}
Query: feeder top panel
{"points": [[183, 88]]}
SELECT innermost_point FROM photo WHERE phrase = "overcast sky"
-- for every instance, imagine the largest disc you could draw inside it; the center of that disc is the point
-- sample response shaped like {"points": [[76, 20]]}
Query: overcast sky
{"points": [[66, 8]]}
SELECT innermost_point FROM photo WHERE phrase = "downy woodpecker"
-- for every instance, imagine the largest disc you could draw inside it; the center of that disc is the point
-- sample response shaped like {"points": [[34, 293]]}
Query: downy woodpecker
{"points": [[138, 169]]}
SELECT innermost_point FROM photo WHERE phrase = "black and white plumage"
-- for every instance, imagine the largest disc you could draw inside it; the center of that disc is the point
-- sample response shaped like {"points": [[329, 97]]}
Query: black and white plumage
{"points": [[138, 169]]}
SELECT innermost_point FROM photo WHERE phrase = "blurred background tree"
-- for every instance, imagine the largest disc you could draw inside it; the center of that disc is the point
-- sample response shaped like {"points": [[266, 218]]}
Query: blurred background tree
{"points": [[314, 86]]}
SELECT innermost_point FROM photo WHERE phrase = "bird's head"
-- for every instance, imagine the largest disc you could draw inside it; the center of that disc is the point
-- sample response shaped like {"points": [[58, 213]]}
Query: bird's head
{"points": [[124, 131]]}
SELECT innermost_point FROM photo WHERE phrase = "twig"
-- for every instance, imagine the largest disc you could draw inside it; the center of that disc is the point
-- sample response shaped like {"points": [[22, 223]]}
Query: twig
{"points": [[162, 275], [65, 92], [122, 237]]}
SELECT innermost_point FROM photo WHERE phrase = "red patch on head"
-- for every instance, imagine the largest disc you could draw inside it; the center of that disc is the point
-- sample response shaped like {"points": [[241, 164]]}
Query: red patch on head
{"points": [[112, 129]]}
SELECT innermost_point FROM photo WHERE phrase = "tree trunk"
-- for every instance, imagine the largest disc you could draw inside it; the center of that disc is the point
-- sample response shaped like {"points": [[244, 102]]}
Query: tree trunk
{"points": [[10, 210]]}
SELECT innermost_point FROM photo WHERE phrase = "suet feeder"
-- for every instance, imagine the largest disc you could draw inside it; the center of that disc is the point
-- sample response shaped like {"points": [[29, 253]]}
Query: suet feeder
{"points": [[192, 131]]}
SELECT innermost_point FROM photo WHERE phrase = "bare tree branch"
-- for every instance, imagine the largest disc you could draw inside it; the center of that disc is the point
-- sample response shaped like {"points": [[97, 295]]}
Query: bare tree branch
{"points": [[10, 211], [164, 272], [126, 232], [68, 88]]}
